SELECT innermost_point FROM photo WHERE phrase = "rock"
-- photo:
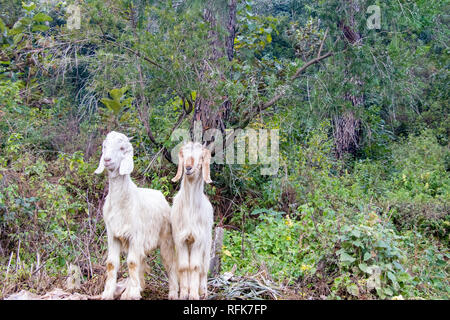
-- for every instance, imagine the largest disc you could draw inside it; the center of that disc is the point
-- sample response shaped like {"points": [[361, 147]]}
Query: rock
{"points": [[23, 295], [73, 281], [55, 294]]}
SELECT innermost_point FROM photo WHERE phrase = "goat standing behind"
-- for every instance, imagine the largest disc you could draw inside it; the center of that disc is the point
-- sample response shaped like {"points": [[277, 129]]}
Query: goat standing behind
{"points": [[192, 220], [137, 221]]}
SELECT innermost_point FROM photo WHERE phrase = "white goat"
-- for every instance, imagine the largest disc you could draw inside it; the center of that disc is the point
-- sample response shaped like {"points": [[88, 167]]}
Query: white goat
{"points": [[137, 221], [192, 220]]}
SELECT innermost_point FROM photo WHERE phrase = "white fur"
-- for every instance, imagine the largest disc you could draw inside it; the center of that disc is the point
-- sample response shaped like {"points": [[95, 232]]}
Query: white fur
{"points": [[137, 221], [192, 220]]}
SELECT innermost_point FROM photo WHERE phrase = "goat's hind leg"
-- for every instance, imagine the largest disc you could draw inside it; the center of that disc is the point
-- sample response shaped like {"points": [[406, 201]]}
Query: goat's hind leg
{"points": [[167, 250], [203, 289], [142, 270], [204, 269]]}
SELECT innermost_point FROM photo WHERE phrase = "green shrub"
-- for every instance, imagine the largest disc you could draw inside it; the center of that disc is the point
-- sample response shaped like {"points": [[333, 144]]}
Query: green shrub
{"points": [[420, 186], [371, 252]]}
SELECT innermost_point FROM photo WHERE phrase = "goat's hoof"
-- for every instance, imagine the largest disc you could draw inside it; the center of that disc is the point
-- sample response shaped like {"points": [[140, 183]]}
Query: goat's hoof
{"points": [[203, 293], [173, 295], [107, 296], [131, 294], [184, 296], [194, 297]]}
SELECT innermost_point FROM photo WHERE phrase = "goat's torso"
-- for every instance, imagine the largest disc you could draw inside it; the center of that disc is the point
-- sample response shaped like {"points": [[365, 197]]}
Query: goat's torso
{"points": [[191, 215], [135, 215]]}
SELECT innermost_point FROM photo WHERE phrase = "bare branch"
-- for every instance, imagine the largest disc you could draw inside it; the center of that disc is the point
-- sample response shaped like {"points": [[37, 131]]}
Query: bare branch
{"points": [[321, 44]]}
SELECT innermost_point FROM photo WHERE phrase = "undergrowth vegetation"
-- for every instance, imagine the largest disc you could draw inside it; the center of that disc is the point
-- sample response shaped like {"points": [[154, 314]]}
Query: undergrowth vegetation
{"points": [[352, 233]]}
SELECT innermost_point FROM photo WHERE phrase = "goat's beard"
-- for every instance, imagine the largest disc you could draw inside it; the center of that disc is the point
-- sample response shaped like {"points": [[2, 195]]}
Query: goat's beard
{"points": [[113, 172], [194, 176]]}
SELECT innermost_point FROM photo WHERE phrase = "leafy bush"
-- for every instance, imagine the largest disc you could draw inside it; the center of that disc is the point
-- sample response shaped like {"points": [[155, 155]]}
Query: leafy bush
{"points": [[371, 252], [420, 185], [337, 234]]}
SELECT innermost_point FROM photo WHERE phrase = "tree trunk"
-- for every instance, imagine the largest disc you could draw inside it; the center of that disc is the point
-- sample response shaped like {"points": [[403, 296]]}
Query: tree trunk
{"points": [[211, 115], [347, 128], [216, 252]]}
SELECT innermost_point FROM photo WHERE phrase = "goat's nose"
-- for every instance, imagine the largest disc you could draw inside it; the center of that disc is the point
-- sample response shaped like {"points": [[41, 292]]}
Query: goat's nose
{"points": [[188, 168], [107, 159]]}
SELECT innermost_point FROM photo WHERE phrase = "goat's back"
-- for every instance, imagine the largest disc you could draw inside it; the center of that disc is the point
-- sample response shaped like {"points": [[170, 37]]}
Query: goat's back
{"points": [[154, 200]]}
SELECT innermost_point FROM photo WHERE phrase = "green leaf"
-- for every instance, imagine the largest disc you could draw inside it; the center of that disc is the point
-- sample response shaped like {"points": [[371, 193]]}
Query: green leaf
{"points": [[346, 229], [2, 26], [41, 17], [40, 27], [353, 289], [116, 93], [381, 244], [17, 28], [355, 233], [112, 105], [357, 243], [391, 276], [345, 257], [367, 256], [29, 7], [403, 276], [17, 38], [26, 21], [365, 268], [388, 291], [193, 95], [17, 25], [258, 211], [398, 265], [380, 293], [115, 104], [126, 101]]}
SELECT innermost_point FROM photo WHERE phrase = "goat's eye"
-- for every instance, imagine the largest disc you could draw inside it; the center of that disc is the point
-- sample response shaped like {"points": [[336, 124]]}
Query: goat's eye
{"points": [[122, 148]]}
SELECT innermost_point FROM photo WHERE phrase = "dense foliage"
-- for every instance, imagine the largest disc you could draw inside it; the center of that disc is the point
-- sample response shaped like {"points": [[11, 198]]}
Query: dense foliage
{"points": [[359, 207]]}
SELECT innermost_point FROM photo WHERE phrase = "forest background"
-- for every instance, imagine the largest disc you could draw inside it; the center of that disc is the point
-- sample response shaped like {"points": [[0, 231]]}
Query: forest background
{"points": [[358, 91]]}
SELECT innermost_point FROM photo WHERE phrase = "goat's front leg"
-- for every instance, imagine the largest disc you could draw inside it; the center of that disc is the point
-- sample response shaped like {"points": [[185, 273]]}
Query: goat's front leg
{"points": [[195, 268], [182, 252], [134, 262], [112, 266]]}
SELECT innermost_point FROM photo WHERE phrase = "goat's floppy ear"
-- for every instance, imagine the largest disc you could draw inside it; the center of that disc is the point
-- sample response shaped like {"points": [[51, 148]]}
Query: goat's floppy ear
{"points": [[101, 166], [126, 165], [205, 165], [180, 166]]}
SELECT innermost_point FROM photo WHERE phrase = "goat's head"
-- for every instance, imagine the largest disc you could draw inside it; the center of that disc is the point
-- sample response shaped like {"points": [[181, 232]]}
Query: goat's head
{"points": [[117, 155], [193, 161]]}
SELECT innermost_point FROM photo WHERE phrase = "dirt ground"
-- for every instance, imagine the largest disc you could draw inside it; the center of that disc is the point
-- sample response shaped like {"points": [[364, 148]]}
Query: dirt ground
{"points": [[224, 287]]}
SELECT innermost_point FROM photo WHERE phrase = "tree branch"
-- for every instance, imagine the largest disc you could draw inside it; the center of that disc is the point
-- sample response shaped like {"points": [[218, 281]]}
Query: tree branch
{"points": [[321, 44], [138, 54], [248, 116], [310, 63]]}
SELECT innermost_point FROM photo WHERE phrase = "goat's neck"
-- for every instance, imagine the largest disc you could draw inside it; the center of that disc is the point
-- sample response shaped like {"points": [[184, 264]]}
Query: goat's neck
{"points": [[192, 189], [120, 186]]}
